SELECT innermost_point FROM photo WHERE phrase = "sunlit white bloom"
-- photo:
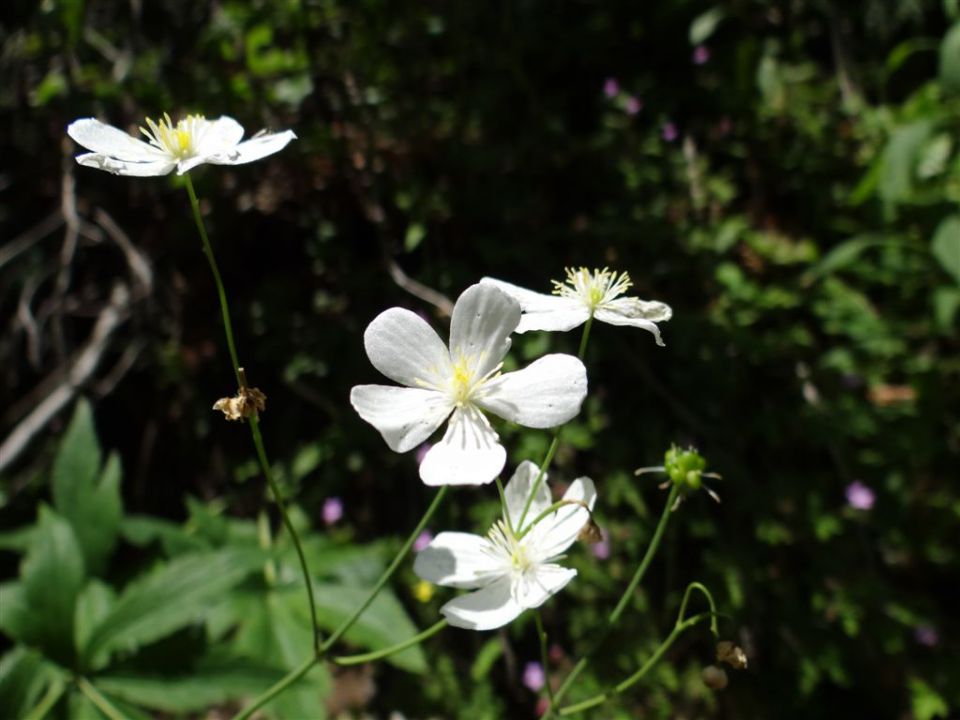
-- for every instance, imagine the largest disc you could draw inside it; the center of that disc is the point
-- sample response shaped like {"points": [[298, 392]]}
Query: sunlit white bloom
{"points": [[582, 295], [192, 141], [461, 383], [512, 569]]}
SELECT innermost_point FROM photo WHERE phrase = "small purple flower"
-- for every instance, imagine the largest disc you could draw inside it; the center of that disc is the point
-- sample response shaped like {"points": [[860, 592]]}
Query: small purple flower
{"points": [[701, 55], [423, 539], [611, 88], [533, 676], [669, 132], [633, 105], [601, 550], [859, 496], [927, 636], [332, 510]]}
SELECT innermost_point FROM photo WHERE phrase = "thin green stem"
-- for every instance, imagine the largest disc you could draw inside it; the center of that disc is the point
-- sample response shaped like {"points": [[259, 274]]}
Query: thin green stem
{"points": [[713, 607], [678, 629], [555, 443], [281, 685], [254, 421], [94, 696], [393, 649], [388, 573], [503, 504], [544, 656], [221, 292], [549, 511], [54, 693], [622, 604]]}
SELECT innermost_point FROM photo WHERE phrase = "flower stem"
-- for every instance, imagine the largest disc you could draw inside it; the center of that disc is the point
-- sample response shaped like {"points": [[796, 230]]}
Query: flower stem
{"points": [[277, 688], [94, 696], [388, 573], [678, 629], [254, 421], [544, 656], [393, 649], [625, 599], [551, 451]]}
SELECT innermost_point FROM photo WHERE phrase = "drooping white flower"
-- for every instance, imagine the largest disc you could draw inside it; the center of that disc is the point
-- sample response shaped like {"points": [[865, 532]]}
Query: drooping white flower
{"points": [[511, 569], [582, 295], [192, 141], [461, 383]]}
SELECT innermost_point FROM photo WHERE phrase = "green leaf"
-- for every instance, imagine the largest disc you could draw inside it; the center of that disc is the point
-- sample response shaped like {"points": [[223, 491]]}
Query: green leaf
{"points": [[211, 682], [946, 302], [950, 60], [900, 158], [486, 658], [93, 605], [946, 245], [383, 624], [23, 677], [141, 530], [415, 234], [704, 24], [93, 508], [169, 598], [842, 255], [52, 574], [925, 702], [18, 540]]}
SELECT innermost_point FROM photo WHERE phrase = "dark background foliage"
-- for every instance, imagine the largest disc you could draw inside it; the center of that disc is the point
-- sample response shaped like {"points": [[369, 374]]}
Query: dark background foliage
{"points": [[785, 174]]}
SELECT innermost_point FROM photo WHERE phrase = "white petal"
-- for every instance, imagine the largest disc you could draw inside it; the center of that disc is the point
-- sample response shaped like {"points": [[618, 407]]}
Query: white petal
{"points": [[541, 311], [537, 584], [635, 313], [405, 417], [545, 394], [518, 490], [559, 531], [105, 139], [483, 318], [458, 560], [402, 346], [469, 454], [253, 149], [122, 167], [219, 135], [486, 609]]}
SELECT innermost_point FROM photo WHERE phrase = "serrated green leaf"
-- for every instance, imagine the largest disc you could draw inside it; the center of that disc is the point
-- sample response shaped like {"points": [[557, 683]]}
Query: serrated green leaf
{"points": [[88, 499], [174, 595], [209, 683], [52, 574], [704, 25], [950, 60], [946, 245]]}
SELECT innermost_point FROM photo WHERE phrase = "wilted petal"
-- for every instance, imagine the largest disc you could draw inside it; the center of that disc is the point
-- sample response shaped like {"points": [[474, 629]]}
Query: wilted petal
{"points": [[457, 560], [545, 394], [107, 140], [483, 318], [542, 311], [253, 149], [533, 588], [518, 490], [635, 313], [486, 609], [469, 454], [560, 530], [122, 167], [405, 417], [402, 346]]}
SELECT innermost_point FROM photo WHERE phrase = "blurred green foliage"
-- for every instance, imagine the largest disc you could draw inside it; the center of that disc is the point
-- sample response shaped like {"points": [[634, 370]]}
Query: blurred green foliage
{"points": [[793, 192]]}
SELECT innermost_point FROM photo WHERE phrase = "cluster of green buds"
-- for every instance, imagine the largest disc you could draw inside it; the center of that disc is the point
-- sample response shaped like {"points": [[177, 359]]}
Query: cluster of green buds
{"points": [[685, 469]]}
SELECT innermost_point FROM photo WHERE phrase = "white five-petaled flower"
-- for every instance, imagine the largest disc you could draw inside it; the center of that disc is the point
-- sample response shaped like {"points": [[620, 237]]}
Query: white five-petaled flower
{"points": [[192, 141], [511, 569], [461, 382], [583, 295]]}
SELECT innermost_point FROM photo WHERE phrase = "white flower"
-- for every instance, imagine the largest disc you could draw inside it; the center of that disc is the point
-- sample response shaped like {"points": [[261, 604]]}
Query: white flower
{"points": [[510, 571], [192, 141], [582, 295], [464, 380]]}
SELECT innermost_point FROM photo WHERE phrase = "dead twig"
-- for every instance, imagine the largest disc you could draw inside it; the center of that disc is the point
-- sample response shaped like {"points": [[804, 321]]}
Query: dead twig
{"points": [[419, 290]]}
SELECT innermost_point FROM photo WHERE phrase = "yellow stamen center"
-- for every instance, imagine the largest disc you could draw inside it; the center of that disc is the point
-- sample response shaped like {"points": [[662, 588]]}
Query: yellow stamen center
{"points": [[593, 289], [180, 139]]}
